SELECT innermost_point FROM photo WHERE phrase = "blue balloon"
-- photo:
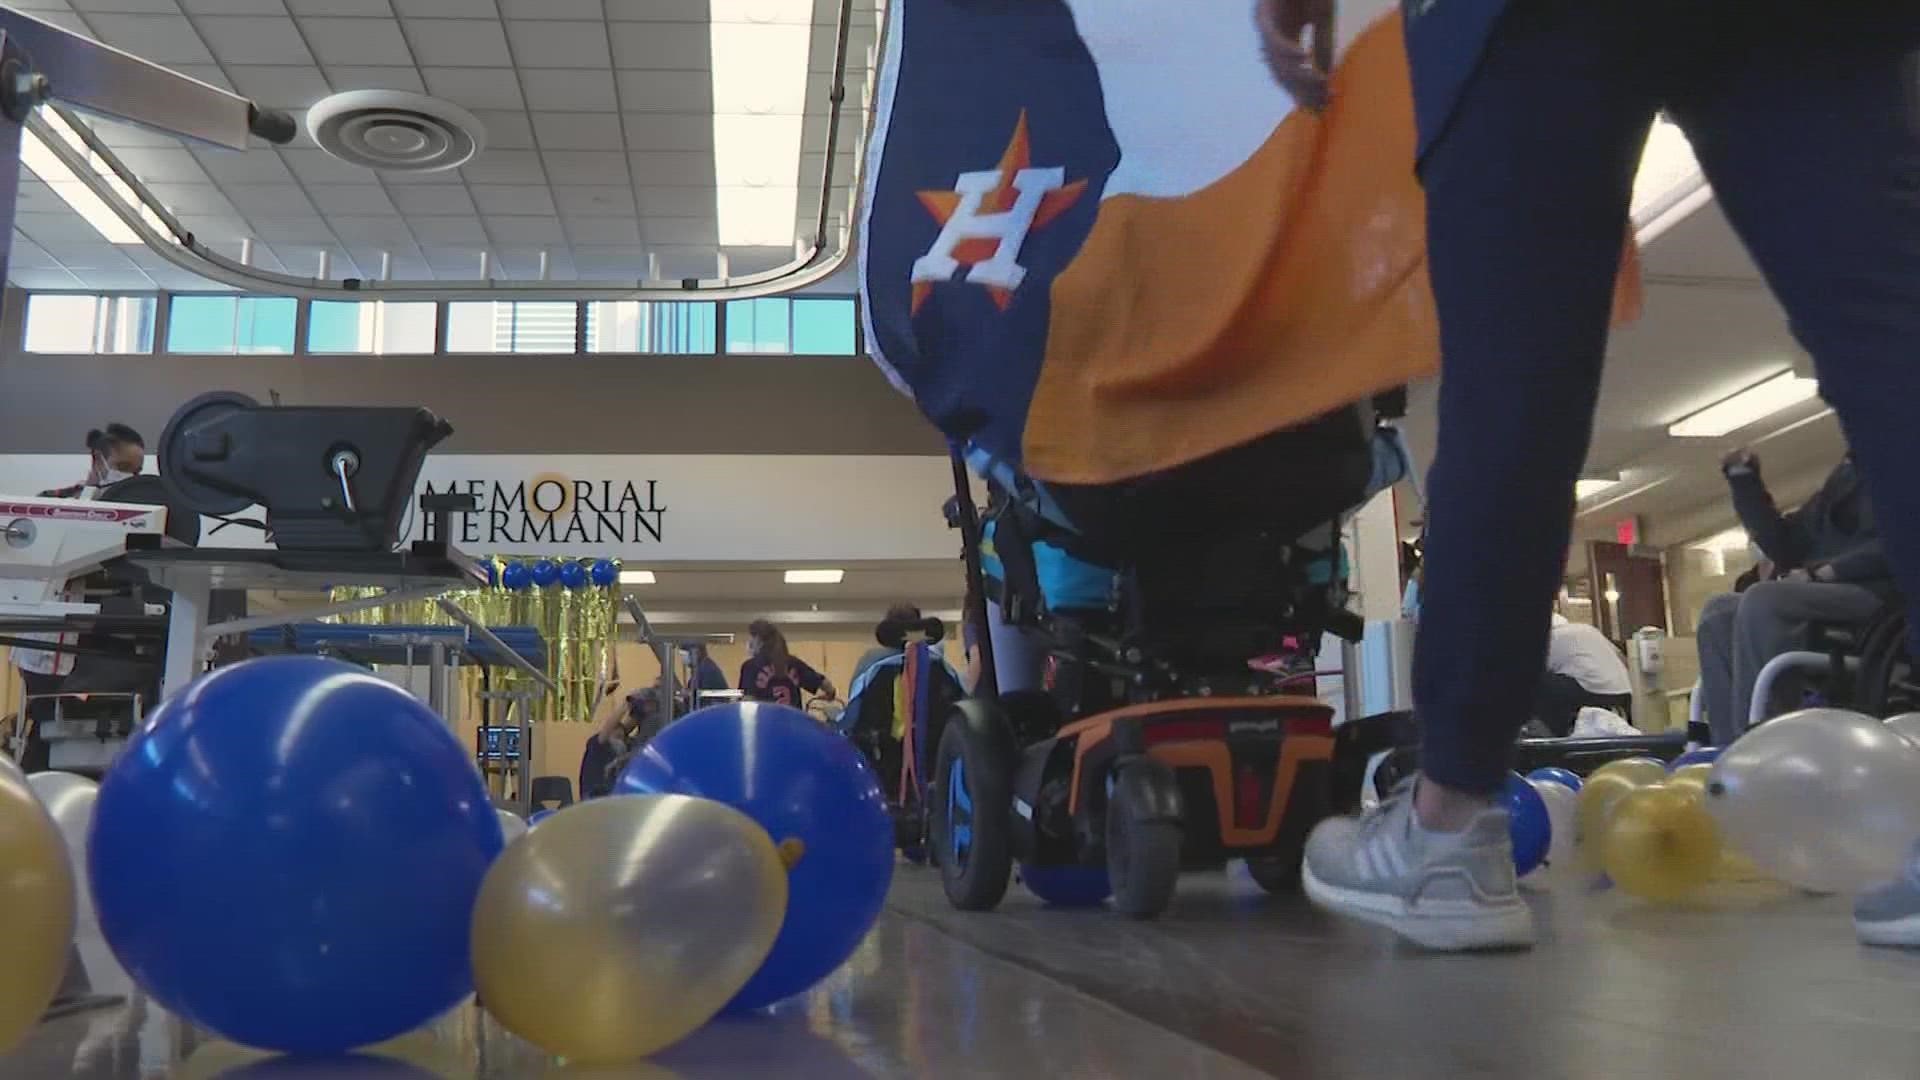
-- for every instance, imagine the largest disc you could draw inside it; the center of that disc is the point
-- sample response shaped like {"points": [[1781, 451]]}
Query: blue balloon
{"points": [[573, 574], [516, 577], [1071, 885], [490, 570], [334, 833], [539, 816], [1706, 755], [1527, 823], [545, 572], [1553, 774], [801, 782], [604, 572]]}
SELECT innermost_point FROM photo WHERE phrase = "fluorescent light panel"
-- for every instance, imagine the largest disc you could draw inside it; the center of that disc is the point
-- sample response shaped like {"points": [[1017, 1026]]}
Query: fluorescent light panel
{"points": [[636, 577], [759, 65], [1734, 539], [1749, 406], [53, 172], [815, 577], [1587, 489], [1669, 184]]}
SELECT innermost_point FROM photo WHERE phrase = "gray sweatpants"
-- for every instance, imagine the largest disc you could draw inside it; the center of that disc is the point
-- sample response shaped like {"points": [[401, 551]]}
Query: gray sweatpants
{"points": [[1738, 634]]}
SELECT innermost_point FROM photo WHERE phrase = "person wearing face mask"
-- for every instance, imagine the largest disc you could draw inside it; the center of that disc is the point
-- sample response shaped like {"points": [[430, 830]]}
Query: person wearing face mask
{"points": [[703, 673], [773, 674], [114, 453]]}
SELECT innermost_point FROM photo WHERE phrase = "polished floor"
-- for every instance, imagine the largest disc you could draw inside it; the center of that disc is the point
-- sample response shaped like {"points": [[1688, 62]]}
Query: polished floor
{"points": [[1752, 982]]}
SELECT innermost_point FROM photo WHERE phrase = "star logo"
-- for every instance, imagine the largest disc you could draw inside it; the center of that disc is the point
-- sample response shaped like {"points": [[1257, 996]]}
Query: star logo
{"points": [[985, 219]]}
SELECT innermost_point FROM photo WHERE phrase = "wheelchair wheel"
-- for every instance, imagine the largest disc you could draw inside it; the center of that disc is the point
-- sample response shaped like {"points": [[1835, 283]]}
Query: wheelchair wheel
{"points": [[1143, 849], [1277, 874], [1887, 682], [972, 804]]}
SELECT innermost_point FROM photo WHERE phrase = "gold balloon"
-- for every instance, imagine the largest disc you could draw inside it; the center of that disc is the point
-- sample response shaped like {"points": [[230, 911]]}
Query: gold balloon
{"points": [[1691, 779], [622, 924], [1660, 843], [36, 903], [1598, 796], [1641, 770]]}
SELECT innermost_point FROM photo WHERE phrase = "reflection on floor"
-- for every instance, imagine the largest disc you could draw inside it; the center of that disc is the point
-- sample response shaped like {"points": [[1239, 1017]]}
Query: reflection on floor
{"points": [[1752, 982]]}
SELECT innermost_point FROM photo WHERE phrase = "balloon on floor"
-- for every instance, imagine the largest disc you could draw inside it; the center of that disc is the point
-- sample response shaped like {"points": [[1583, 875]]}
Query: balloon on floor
{"points": [[334, 834], [1659, 843], [512, 826], [69, 801], [1067, 886], [1553, 774], [815, 794], [1561, 802], [1605, 788], [1825, 799], [1528, 824], [622, 925], [36, 904], [1906, 725]]}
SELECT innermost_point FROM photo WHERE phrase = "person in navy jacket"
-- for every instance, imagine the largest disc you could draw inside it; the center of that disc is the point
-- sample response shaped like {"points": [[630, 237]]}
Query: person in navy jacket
{"points": [[1531, 119]]}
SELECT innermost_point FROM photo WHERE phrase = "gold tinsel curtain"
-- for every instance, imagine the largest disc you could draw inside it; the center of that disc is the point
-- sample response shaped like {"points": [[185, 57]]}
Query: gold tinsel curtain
{"points": [[575, 612]]}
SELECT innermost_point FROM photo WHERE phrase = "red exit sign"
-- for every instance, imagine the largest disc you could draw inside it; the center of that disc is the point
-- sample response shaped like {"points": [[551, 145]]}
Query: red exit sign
{"points": [[1626, 531]]}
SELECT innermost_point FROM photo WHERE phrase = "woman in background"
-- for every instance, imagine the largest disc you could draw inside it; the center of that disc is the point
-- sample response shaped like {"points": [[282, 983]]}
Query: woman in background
{"points": [[773, 674]]}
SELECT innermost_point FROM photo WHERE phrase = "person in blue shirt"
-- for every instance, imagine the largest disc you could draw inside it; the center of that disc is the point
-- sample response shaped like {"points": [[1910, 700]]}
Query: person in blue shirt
{"points": [[772, 674], [1531, 117], [703, 672]]}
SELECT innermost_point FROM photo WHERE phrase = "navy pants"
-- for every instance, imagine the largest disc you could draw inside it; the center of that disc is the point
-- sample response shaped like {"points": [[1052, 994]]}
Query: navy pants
{"points": [[1806, 118]]}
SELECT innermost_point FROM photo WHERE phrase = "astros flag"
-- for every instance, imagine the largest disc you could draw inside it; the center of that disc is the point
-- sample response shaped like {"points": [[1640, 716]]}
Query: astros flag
{"points": [[1099, 241]]}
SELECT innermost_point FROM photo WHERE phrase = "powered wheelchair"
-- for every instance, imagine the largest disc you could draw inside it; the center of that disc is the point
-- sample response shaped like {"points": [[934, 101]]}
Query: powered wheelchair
{"points": [[1155, 743], [888, 710]]}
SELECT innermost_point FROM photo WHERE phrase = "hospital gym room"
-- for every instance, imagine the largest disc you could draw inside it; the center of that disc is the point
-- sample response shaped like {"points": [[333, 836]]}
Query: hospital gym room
{"points": [[865, 539]]}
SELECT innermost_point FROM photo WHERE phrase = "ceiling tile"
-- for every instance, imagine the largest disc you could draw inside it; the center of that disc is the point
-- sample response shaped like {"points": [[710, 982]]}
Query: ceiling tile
{"points": [[428, 199], [217, 230], [244, 167], [670, 131], [558, 44], [688, 262], [599, 200], [293, 230], [666, 91], [686, 231], [519, 199], [506, 129], [163, 164], [446, 9], [350, 199], [658, 10], [259, 201], [578, 131], [678, 169], [357, 77], [376, 230], [319, 167], [460, 43], [676, 201], [163, 39], [586, 166], [132, 279], [475, 88], [356, 41], [448, 230], [599, 231], [567, 89], [35, 278], [551, 9], [280, 86], [233, 7], [525, 230], [68, 20], [505, 167], [661, 46], [25, 252], [167, 7], [254, 39], [369, 8]]}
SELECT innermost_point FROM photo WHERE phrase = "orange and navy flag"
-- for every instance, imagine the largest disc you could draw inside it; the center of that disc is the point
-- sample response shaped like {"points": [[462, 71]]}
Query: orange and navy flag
{"points": [[1099, 241]]}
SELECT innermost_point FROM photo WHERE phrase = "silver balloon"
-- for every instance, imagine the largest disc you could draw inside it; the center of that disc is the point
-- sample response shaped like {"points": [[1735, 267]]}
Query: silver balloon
{"points": [[512, 825], [69, 801], [1562, 802], [1907, 724], [1825, 799]]}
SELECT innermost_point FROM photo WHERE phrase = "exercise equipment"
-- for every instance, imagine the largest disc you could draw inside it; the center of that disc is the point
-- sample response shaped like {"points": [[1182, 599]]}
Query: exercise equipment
{"points": [[1528, 824], [816, 796], [1068, 885], [624, 924], [1825, 799], [1659, 843], [339, 825], [69, 801], [1553, 774], [36, 893], [331, 478]]}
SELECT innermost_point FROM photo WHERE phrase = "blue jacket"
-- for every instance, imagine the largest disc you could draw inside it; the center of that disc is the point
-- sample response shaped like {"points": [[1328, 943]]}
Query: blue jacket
{"points": [[1445, 41], [1833, 528]]}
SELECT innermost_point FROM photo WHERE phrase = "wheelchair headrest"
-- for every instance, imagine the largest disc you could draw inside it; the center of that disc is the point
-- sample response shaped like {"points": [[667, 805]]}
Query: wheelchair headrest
{"points": [[893, 633]]}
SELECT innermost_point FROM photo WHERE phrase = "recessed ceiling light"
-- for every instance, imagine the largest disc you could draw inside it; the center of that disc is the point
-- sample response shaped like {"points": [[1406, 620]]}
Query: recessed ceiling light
{"points": [[54, 173], [759, 63], [815, 577], [636, 577], [1749, 406]]}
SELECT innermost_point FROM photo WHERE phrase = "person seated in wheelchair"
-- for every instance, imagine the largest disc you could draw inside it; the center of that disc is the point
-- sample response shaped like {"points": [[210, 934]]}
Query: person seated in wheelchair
{"points": [[1828, 566], [878, 707]]}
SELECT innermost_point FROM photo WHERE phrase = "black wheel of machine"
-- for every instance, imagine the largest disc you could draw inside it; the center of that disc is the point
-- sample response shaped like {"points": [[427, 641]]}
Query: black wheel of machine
{"points": [[176, 452], [972, 802], [1278, 874], [1887, 684], [1143, 848]]}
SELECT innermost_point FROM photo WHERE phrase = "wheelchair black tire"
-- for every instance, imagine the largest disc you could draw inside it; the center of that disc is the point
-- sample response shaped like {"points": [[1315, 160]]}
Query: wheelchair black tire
{"points": [[1278, 874], [977, 879], [1883, 655], [1143, 855]]}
